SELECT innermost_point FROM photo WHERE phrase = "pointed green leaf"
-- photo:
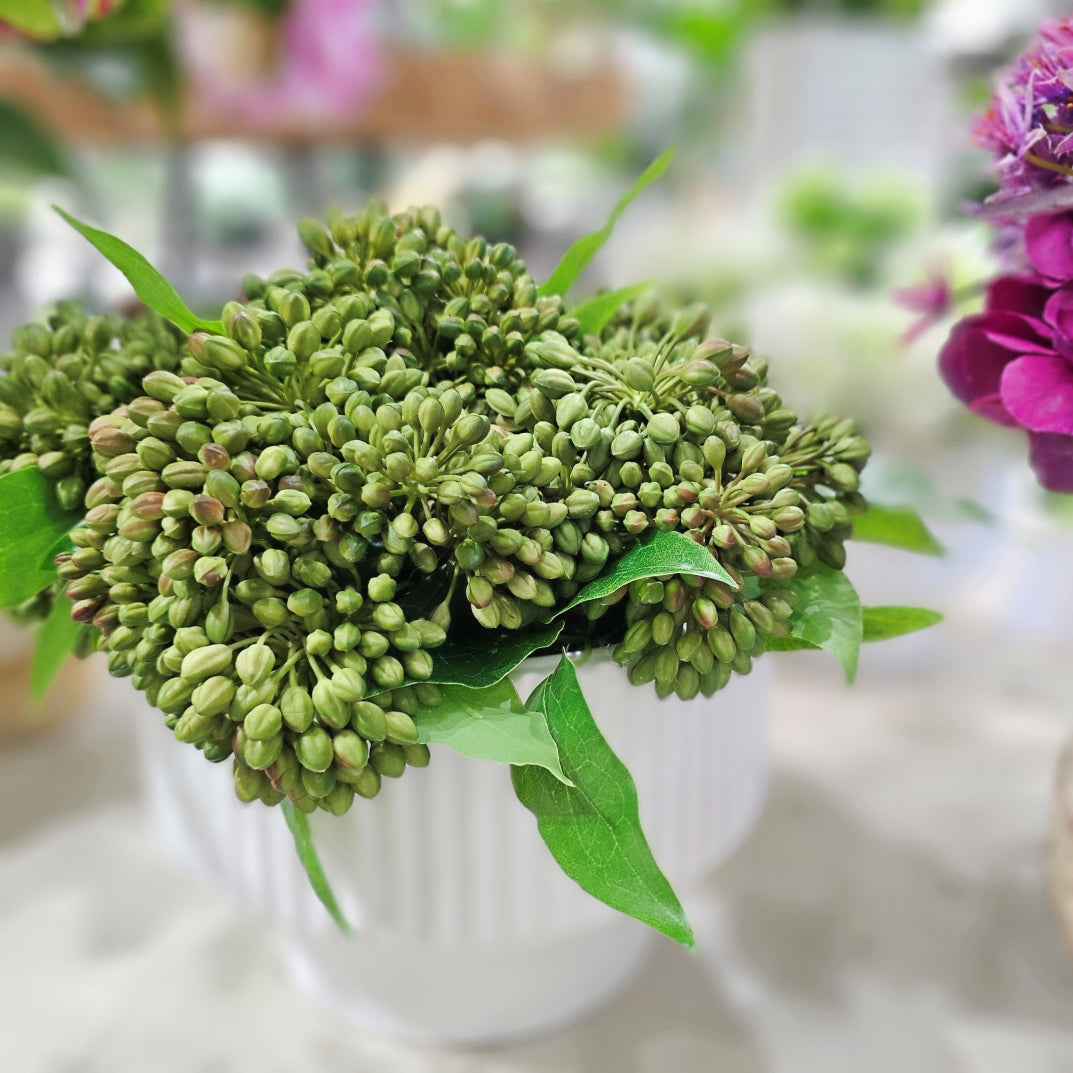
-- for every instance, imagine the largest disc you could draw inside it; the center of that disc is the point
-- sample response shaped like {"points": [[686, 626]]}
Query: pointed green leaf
{"points": [[897, 527], [298, 822], [491, 724], [883, 623], [653, 556], [149, 285], [788, 644], [32, 525], [56, 641], [594, 314], [827, 614], [593, 828], [577, 258]]}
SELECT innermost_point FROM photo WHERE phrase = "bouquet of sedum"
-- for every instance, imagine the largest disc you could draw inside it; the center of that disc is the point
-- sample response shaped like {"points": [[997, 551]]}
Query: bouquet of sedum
{"points": [[322, 531]]}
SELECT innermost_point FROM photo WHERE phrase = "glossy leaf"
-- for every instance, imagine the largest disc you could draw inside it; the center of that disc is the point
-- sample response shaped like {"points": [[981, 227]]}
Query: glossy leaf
{"points": [[32, 526], [56, 641], [488, 658], [149, 285], [578, 257], [883, 623], [653, 556], [592, 828], [595, 314], [827, 614], [897, 527], [491, 724], [298, 822]]}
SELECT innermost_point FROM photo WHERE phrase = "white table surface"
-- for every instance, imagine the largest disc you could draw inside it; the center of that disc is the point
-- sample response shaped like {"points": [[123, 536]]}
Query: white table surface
{"points": [[886, 915]]}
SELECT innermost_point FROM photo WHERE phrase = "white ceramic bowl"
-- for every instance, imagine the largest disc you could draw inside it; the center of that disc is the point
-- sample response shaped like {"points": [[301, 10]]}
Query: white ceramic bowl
{"points": [[465, 928]]}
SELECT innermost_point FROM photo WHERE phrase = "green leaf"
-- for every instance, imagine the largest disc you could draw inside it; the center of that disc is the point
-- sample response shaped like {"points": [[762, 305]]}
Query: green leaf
{"points": [[593, 828], [788, 644], [490, 656], [491, 724], [56, 641], [486, 660], [711, 35], [26, 146], [577, 258], [897, 527], [149, 285], [298, 822], [877, 624], [32, 525], [38, 18], [827, 614], [882, 623], [598, 310], [653, 556]]}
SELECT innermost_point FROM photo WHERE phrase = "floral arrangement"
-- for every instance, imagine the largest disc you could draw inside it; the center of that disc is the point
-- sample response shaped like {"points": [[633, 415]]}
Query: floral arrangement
{"points": [[1010, 362], [320, 533]]}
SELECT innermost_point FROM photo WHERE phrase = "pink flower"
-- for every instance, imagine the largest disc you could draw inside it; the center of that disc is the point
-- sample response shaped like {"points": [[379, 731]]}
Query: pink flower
{"points": [[1049, 245], [329, 65], [1013, 364], [933, 300]]}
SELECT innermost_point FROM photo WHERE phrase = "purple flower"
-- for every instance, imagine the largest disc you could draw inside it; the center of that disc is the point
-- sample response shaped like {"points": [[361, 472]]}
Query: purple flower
{"points": [[1013, 364], [1029, 122]]}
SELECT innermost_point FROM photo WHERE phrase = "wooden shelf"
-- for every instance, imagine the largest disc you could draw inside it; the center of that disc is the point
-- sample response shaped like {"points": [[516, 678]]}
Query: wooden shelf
{"points": [[428, 97]]}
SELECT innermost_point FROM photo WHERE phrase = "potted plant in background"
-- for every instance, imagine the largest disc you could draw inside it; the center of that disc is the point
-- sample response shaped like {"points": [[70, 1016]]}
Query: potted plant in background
{"points": [[405, 499]]}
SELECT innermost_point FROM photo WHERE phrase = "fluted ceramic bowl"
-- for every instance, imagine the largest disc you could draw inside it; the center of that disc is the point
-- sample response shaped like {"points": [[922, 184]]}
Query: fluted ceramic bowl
{"points": [[465, 929]]}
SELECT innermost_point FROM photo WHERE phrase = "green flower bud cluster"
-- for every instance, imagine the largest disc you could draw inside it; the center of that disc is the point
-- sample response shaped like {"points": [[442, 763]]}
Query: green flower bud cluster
{"points": [[248, 596], [654, 424], [457, 307], [407, 436], [58, 375], [688, 635]]}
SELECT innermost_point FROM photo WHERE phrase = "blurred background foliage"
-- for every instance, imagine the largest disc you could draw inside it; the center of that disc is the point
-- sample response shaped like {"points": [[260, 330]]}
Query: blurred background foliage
{"points": [[823, 157]]}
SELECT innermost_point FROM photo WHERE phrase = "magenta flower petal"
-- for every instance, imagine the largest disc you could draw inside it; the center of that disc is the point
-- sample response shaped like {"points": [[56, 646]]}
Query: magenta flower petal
{"points": [[1022, 294], [1059, 315], [993, 408], [1049, 245], [1038, 392], [1051, 456], [1021, 335], [972, 365]]}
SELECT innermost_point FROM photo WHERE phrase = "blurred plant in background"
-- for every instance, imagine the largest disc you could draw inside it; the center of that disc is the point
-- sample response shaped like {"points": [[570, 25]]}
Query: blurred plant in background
{"points": [[302, 58], [845, 232]]}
